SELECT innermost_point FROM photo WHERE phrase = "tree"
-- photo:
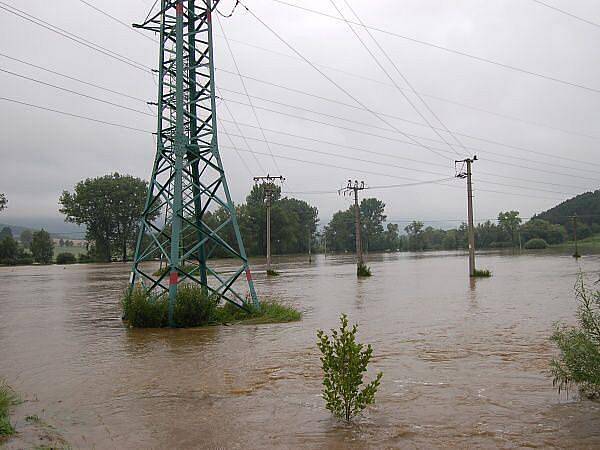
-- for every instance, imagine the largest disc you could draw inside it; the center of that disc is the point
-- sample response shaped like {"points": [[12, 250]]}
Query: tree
{"points": [[26, 238], [510, 222], [42, 247], [415, 238], [9, 250], [6, 232], [109, 207], [579, 360], [344, 362], [3, 201]]}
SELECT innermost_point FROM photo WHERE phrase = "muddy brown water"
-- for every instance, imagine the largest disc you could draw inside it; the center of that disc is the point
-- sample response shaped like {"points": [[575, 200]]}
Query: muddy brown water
{"points": [[465, 364]]}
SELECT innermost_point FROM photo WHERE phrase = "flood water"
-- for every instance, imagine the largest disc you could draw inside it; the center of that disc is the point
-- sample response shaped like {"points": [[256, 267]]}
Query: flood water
{"points": [[465, 364]]}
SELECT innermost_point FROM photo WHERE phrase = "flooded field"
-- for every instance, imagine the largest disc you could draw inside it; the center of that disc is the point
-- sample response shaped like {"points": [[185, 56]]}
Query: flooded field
{"points": [[465, 364]]}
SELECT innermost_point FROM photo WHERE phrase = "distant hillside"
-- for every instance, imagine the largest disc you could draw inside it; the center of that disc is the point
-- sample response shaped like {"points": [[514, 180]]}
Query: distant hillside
{"points": [[586, 206]]}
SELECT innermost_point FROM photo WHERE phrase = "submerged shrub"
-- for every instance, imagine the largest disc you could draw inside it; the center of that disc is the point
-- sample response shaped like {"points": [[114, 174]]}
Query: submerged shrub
{"points": [[8, 398], [579, 360], [272, 273], [482, 273], [142, 310], [536, 244], [65, 258], [193, 307], [362, 270], [344, 363]]}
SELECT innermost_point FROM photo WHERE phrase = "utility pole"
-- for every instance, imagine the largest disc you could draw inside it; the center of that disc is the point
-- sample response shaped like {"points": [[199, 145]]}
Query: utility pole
{"points": [[471, 226], [576, 254], [268, 184], [356, 187], [309, 245]]}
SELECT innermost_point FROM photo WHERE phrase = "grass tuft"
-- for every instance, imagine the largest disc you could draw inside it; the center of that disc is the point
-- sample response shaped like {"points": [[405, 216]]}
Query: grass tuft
{"points": [[482, 273], [362, 270], [193, 308], [8, 398], [272, 273]]}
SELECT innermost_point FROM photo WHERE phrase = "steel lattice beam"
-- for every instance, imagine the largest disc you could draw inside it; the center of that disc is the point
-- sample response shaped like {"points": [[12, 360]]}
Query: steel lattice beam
{"points": [[188, 179]]}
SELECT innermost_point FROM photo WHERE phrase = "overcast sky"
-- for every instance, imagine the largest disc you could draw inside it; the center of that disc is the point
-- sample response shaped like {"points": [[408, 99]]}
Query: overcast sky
{"points": [[555, 137]]}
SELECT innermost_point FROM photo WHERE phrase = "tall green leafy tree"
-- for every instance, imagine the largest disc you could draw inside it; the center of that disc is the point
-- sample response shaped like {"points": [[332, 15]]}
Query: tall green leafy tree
{"points": [[26, 237], [42, 247], [510, 222], [110, 207], [6, 232]]}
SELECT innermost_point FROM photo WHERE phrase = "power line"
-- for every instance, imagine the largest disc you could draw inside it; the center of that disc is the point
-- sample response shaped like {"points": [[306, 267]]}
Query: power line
{"points": [[69, 77], [258, 163], [393, 139], [410, 102], [91, 119], [222, 128], [486, 140], [370, 161], [354, 169], [74, 37], [76, 93], [110, 16], [337, 85], [450, 50], [246, 92], [562, 11], [384, 83]]}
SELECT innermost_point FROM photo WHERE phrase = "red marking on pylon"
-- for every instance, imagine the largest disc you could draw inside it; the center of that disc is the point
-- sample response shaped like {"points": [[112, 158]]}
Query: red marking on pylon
{"points": [[174, 278], [248, 275], [179, 8], [208, 16]]}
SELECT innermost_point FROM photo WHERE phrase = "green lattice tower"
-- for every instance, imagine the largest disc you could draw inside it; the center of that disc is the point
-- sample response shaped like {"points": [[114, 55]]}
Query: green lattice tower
{"points": [[188, 180]]}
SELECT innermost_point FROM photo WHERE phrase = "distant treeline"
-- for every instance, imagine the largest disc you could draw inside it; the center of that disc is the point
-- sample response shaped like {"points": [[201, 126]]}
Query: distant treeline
{"points": [[110, 206]]}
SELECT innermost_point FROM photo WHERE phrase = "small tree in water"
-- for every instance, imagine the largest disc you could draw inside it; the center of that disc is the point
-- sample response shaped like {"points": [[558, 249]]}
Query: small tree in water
{"points": [[579, 361], [344, 363]]}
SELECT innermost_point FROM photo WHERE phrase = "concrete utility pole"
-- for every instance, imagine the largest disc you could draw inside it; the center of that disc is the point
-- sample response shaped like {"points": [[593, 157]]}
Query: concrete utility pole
{"points": [[355, 188], [268, 184], [471, 226], [576, 254]]}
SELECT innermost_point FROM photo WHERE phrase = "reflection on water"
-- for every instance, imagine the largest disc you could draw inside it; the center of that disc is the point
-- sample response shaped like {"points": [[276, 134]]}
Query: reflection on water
{"points": [[465, 362]]}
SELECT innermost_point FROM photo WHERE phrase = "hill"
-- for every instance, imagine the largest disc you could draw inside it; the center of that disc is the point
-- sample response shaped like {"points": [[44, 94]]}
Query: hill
{"points": [[586, 206]]}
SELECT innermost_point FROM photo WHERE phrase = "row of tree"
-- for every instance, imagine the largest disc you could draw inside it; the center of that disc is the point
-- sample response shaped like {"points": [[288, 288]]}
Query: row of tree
{"points": [[110, 206], [33, 247]]}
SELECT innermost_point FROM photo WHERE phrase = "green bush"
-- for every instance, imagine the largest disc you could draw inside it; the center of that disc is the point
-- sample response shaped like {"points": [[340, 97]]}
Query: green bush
{"points": [[344, 362], [193, 307], [482, 273], [84, 258], [362, 270], [272, 273], [65, 258], [579, 360], [8, 398], [536, 244]]}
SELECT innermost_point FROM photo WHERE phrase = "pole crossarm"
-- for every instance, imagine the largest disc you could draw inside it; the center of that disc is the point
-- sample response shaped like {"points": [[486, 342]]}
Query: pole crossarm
{"points": [[188, 191]]}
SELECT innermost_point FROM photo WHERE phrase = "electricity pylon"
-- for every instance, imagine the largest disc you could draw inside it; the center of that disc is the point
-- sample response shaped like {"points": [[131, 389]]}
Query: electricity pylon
{"points": [[188, 190]]}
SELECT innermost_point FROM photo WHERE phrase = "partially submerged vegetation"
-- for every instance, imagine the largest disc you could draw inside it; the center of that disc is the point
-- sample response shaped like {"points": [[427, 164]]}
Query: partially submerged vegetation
{"points": [[344, 361], [579, 360], [188, 267], [362, 270], [481, 273], [195, 308], [536, 244], [272, 273], [8, 398]]}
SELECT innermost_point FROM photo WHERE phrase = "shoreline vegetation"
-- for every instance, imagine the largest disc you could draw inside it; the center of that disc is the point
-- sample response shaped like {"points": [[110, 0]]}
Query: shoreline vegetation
{"points": [[24, 431], [194, 308]]}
